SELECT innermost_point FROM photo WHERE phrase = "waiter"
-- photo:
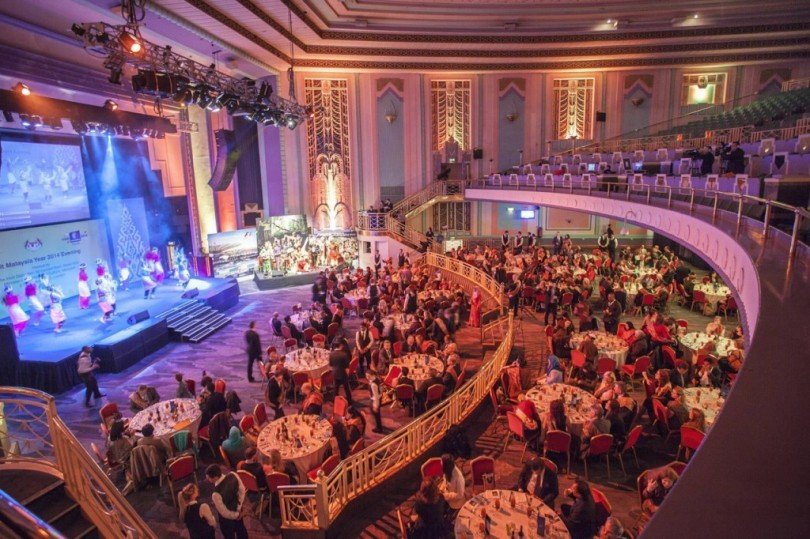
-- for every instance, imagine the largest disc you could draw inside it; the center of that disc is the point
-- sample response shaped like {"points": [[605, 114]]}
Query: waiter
{"points": [[505, 240], [254, 349]]}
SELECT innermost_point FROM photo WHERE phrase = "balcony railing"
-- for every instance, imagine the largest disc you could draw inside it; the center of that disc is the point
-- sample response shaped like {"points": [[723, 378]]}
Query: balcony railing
{"points": [[315, 506], [32, 432]]}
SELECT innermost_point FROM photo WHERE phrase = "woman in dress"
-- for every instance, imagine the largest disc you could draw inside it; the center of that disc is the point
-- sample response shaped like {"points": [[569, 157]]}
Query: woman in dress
{"points": [[58, 316], [158, 273], [18, 317], [84, 288], [475, 309], [104, 300], [37, 310], [124, 275], [147, 278]]}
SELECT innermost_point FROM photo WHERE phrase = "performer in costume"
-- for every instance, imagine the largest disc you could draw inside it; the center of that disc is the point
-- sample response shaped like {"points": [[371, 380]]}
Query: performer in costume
{"points": [[106, 299], [57, 312], [158, 273], [101, 268], [149, 284], [18, 317], [475, 309], [37, 310], [84, 288], [123, 273]]}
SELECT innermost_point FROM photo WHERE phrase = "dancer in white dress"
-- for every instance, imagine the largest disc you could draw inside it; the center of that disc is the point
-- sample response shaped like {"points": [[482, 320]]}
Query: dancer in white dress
{"points": [[149, 284], [124, 274], [84, 287], [58, 316], [37, 310], [106, 299], [18, 317]]}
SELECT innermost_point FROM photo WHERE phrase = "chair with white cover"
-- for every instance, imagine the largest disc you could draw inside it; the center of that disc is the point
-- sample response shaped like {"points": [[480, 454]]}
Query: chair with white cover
{"points": [[531, 180], [596, 157], [513, 180], [617, 158], [545, 168], [548, 180], [566, 181], [527, 169], [660, 183], [741, 184], [662, 154], [576, 159], [685, 184], [712, 182], [638, 155], [496, 180], [586, 181], [602, 166], [638, 182], [685, 166]]}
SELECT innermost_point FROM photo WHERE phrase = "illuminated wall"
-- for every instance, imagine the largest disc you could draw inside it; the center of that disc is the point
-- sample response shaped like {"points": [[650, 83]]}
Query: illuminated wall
{"points": [[573, 112], [450, 113]]}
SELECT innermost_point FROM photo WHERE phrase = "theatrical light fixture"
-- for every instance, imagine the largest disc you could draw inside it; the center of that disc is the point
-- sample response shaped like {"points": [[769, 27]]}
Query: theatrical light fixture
{"points": [[8, 116], [21, 89], [79, 126], [130, 43], [54, 123], [111, 105]]}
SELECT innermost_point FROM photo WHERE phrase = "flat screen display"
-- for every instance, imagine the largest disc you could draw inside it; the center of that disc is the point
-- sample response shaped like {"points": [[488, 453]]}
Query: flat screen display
{"points": [[41, 183], [591, 167], [527, 214]]}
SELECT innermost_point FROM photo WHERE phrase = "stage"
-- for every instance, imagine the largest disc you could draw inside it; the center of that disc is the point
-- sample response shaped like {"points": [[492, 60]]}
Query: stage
{"points": [[265, 281], [47, 360]]}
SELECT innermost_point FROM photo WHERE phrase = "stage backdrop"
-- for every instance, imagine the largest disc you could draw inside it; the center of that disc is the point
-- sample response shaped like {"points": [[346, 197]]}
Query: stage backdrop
{"points": [[56, 250], [129, 232], [234, 253]]}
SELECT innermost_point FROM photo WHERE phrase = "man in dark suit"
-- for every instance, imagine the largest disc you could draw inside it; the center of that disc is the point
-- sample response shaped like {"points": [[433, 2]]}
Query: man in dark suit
{"points": [[294, 331], [736, 159], [580, 516], [706, 160], [613, 310], [421, 392], [538, 480], [275, 393], [513, 292], [275, 323], [339, 363], [409, 302], [254, 349]]}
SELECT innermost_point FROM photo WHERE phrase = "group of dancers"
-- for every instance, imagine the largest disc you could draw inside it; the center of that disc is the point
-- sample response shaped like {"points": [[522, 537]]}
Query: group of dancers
{"points": [[299, 253], [106, 287], [23, 174]]}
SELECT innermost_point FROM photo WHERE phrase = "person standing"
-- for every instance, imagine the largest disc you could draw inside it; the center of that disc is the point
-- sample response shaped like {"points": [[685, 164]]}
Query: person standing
{"points": [[706, 160], [254, 349], [613, 310], [228, 497], [505, 240], [365, 342], [339, 363], [736, 159], [85, 367], [475, 309], [83, 287], [198, 518]]}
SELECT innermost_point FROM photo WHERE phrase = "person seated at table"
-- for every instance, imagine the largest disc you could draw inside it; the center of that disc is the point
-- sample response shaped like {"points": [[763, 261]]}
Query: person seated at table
{"points": [[554, 372], [120, 444], [275, 324], [313, 400], [409, 346], [276, 392], [680, 413], [661, 389], [211, 402], [659, 337], [279, 465], [421, 391], [527, 412], [680, 376], [381, 362], [257, 469], [428, 521], [659, 482], [611, 529], [355, 425], [449, 382], [197, 517], [539, 481], [596, 424], [580, 515], [451, 483], [709, 374], [554, 418], [148, 432], [143, 398], [696, 420], [339, 442], [618, 427], [235, 445], [295, 333], [585, 373], [182, 391], [604, 391], [233, 402], [715, 327]]}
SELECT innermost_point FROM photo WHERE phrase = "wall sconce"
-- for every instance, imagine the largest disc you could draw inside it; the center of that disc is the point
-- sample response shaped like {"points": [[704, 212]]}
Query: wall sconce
{"points": [[512, 116], [703, 82], [391, 114], [637, 101]]}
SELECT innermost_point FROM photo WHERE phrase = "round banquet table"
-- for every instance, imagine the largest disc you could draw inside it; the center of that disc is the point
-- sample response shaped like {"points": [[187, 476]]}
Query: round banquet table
{"points": [[695, 340], [713, 296], [425, 295], [300, 319], [313, 361], [401, 321], [609, 345], [708, 399], [470, 520], [354, 295], [576, 415], [187, 417], [417, 370], [311, 430]]}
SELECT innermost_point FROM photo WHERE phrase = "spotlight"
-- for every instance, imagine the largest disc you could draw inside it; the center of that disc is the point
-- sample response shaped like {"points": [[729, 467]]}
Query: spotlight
{"points": [[265, 91], [137, 133], [695, 16], [25, 120], [8, 116], [111, 105], [185, 96], [54, 123], [292, 122], [21, 89], [130, 43], [79, 126], [115, 74]]}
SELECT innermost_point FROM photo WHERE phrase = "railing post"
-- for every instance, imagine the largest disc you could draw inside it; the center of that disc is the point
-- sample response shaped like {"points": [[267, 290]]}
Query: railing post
{"points": [[669, 197], [714, 210], [608, 191], [627, 196], [766, 220], [795, 236], [321, 504], [692, 200], [739, 214]]}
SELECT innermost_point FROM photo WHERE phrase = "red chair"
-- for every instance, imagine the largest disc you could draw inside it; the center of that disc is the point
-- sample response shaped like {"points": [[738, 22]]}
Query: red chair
{"points": [[669, 357], [340, 406], [375, 333], [461, 377], [225, 458], [498, 408], [434, 395], [393, 375], [107, 411], [630, 445], [432, 468], [290, 345], [274, 481], [558, 441], [285, 331], [729, 307], [682, 324], [405, 393], [662, 416], [248, 425], [599, 445], [327, 467], [354, 367], [648, 301], [700, 360], [397, 348], [178, 469], [319, 341], [691, 438], [621, 328], [605, 364], [191, 385], [260, 414], [348, 307], [698, 298], [637, 369], [299, 379], [309, 333], [603, 507], [325, 383], [480, 466], [249, 481], [331, 331], [110, 468], [578, 361], [426, 345], [567, 300], [516, 430], [678, 466]]}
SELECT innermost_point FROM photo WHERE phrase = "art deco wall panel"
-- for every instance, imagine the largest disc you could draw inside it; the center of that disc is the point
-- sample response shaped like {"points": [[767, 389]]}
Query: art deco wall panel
{"points": [[573, 113], [450, 113], [329, 154]]}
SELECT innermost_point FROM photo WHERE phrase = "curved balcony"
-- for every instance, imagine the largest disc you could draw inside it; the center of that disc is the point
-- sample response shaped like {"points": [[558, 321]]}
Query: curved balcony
{"points": [[752, 455]]}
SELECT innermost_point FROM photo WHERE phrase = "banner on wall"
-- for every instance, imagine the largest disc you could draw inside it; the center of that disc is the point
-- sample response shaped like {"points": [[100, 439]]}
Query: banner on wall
{"points": [[233, 253], [129, 232], [56, 250]]}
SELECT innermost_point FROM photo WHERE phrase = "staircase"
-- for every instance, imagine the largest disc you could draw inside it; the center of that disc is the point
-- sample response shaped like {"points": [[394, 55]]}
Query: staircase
{"points": [[193, 321], [45, 496]]}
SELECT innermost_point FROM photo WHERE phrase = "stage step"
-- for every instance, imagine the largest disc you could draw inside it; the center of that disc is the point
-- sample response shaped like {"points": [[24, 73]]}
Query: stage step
{"points": [[193, 321]]}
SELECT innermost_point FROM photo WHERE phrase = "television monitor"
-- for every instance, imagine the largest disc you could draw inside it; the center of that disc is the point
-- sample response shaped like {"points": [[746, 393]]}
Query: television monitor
{"points": [[638, 167], [41, 182], [591, 167], [527, 214]]}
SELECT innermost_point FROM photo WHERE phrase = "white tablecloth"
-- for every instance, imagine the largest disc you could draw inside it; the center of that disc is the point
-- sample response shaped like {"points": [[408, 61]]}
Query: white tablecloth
{"points": [[300, 319], [312, 432], [695, 340], [577, 414], [400, 321], [713, 295], [470, 521], [609, 345], [417, 370], [313, 361], [356, 294], [705, 398], [186, 417]]}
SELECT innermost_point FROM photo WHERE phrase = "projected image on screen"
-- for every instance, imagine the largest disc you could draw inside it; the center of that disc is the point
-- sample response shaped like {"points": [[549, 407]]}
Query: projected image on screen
{"points": [[41, 183]]}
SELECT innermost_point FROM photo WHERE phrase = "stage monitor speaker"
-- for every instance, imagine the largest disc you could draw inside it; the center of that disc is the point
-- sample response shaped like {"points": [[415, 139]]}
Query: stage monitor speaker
{"points": [[191, 293], [139, 316], [478, 153], [601, 116], [227, 158]]}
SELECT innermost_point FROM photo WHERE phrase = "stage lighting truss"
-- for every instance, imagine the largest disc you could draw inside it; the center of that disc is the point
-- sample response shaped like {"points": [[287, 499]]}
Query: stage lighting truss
{"points": [[164, 74]]}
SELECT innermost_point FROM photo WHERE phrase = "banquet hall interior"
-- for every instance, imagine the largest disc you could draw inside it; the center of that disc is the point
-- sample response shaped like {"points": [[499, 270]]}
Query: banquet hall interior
{"points": [[392, 269]]}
